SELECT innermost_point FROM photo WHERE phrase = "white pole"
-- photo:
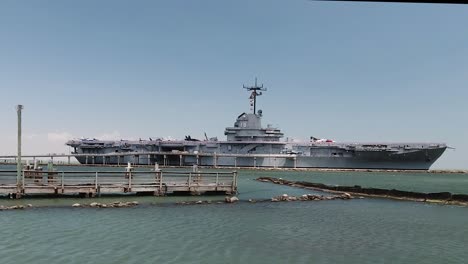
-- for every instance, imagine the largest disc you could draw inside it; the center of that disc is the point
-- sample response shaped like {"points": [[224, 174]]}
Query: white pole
{"points": [[18, 160]]}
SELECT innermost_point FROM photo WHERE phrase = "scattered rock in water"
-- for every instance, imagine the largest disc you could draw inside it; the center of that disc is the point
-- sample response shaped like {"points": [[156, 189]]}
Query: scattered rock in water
{"points": [[252, 201], [198, 202], [309, 197], [314, 197], [13, 207], [346, 196], [119, 204], [109, 205], [231, 199]]}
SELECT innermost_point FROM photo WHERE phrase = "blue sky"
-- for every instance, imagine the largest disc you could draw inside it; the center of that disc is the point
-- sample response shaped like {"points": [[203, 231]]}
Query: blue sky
{"points": [[131, 69]]}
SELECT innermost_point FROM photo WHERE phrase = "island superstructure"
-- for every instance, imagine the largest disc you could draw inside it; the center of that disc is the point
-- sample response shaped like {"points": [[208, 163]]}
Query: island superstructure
{"points": [[248, 144]]}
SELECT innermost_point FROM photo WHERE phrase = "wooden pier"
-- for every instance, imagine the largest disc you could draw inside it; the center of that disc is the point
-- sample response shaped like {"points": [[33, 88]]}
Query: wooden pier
{"points": [[95, 183]]}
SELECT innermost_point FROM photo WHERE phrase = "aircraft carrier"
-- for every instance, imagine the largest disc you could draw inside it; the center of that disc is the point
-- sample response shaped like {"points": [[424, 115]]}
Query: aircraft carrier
{"points": [[248, 144]]}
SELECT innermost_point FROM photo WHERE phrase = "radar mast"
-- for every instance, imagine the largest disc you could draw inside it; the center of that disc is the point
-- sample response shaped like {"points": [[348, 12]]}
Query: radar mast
{"points": [[256, 91]]}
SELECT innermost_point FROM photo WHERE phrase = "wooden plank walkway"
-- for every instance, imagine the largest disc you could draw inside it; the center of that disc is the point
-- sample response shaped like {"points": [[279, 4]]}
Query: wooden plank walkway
{"points": [[95, 183]]}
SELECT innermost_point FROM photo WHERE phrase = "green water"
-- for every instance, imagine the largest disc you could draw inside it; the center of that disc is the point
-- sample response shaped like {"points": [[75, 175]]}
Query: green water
{"points": [[158, 231]]}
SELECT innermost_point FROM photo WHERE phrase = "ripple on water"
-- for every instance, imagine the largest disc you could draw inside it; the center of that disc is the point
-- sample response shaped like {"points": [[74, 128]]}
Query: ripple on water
{"points": [[358, 231]]}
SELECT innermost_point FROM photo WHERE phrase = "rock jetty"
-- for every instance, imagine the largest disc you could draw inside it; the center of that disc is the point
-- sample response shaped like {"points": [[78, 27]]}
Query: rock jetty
{"points": [[441, 197]]}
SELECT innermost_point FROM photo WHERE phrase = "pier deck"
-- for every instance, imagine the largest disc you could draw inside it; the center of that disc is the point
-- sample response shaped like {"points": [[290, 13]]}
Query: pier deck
{"points": [[95, 183]]}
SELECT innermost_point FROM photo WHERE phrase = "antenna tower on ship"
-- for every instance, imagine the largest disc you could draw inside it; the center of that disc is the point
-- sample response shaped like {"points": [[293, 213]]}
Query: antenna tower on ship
{"points": [[256, 91]]}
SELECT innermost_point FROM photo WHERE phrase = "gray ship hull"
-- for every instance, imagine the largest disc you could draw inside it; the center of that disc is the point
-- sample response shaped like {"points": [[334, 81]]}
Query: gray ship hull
{"points": [[414, 160]]}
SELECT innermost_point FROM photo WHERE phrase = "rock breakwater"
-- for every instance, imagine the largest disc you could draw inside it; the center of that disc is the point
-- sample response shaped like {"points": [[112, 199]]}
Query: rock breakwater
{"points": [[440, 197]]}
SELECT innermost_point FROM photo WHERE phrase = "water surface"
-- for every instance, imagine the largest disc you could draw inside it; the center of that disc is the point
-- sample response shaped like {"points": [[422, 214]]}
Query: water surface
{"points": [[159, 231]]}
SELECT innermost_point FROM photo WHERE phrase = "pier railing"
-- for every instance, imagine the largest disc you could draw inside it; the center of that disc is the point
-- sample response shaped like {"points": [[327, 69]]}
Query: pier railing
{"points": [[92, 183]]}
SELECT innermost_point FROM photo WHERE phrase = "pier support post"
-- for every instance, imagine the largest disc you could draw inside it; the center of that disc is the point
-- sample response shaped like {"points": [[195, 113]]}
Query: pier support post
{"points": [[68, 160], [63, 182], [165, 160], [189, 180], [255, 162], [129, 170], [234, 182], [180, 160], [159, 179], [96, 182]]}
